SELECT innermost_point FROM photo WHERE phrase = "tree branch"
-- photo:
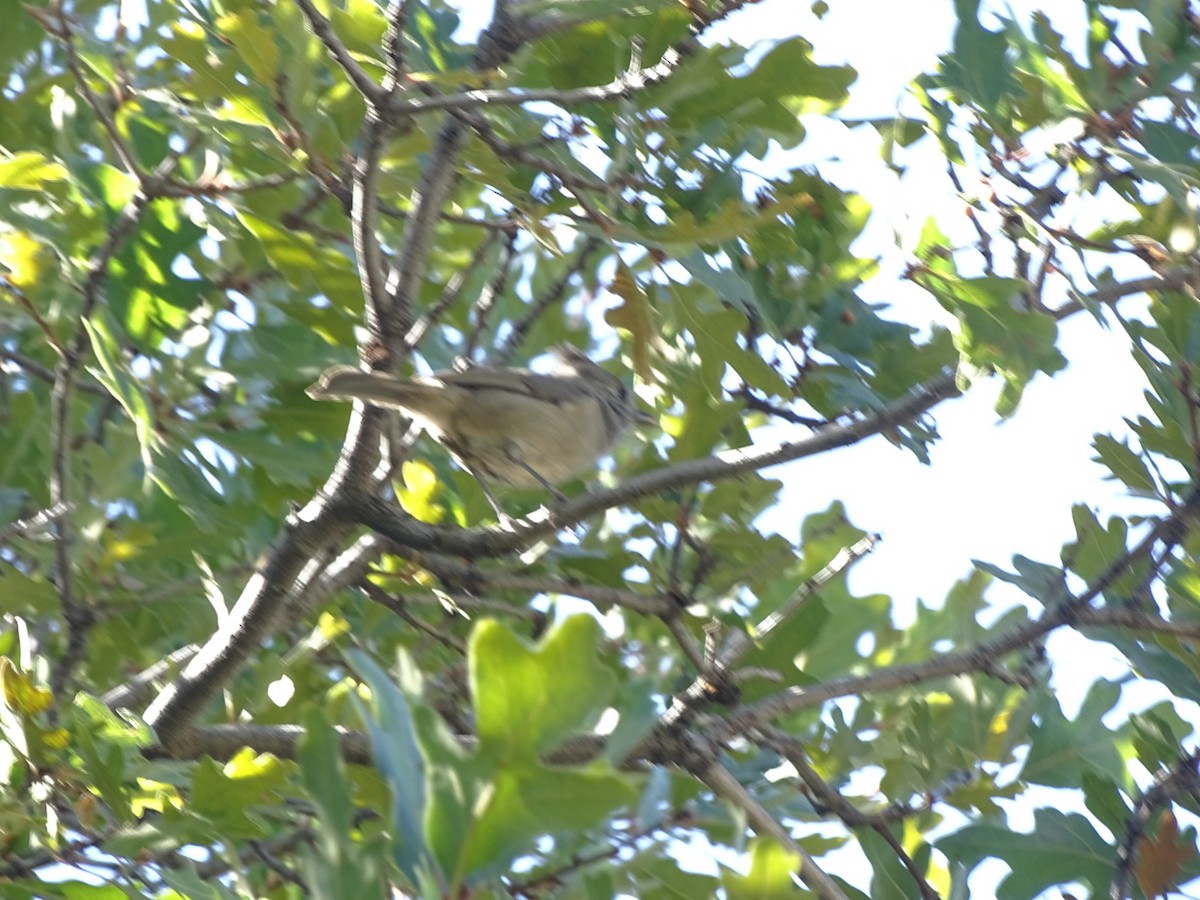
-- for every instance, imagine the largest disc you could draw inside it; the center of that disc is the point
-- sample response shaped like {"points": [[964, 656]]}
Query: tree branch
{"points": [[719, 780], [1168, 532], [385, 518], [1182, 776], [320, 26], [624, 86], [295, 563], [825, 795], [1169, 280]]}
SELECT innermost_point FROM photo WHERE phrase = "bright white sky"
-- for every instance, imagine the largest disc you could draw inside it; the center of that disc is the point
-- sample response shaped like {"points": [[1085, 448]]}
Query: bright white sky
{"points": [[994, 488]]}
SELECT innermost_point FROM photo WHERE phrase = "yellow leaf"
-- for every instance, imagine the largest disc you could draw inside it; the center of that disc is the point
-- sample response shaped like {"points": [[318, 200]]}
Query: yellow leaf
{"points": [[31, 171], [636, 316], [20, 693], [24, 259], [330, 627], [156, 796], [416, 496], [248, 764]]}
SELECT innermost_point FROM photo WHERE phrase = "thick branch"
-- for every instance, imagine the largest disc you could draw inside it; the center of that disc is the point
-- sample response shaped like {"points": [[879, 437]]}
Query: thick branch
{"points": [[299, 556], [278, 586], [223, 741]]}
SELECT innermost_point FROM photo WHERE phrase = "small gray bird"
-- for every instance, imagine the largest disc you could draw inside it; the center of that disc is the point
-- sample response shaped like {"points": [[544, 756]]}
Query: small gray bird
{"points": [[509, 425]]}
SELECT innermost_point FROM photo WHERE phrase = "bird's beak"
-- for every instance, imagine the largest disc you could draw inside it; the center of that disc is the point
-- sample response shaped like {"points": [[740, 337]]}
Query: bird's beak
{"points": [[644, 418]]}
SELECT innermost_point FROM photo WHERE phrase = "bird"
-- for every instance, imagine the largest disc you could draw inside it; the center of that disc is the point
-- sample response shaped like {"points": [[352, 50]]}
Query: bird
{"points": [[506, 424]]}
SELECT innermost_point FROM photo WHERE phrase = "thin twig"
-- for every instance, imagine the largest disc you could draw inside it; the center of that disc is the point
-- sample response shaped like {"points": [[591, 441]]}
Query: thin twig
{"points": [[550, 297], [43, 517], [78, 616], [459, 603], [1180, 777], [474, 579], [387, 601], [450, 293], [740, 641], [625, 86], [66, 35], [825, 795], [1137, 620], [718, 779], [493, 289], [1169, 280], [321, 27], [44, 373]]}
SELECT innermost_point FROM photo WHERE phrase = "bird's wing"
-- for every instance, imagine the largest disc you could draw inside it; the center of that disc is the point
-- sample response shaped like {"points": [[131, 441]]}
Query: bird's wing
{"points": [[550, 388]]}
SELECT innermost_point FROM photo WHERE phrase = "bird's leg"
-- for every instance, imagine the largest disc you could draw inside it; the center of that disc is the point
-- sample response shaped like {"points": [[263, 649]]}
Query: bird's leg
{"points": [[504, 519], [513, 458], [462, 454]]}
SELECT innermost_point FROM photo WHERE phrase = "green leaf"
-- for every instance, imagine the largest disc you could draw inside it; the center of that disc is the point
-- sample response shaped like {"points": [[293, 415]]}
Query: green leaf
{"points": [[994, 334], [188, 884], [529, 699], [304, 262], [655, 877], [768, 101], [339, 867], [1041, 581], [255, 44], [1105, 801], [1157, 735], [1061, 749], [108, 184], [27, 595], [890, 880], [433, 30], [226, 795], [687, 229], [1171, 145], [1096, 549], [486, 808], [146, 292], [1061, 848], [394, 746], [977, 69], [1124, 464], [128, 392], [1163, 657]]}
